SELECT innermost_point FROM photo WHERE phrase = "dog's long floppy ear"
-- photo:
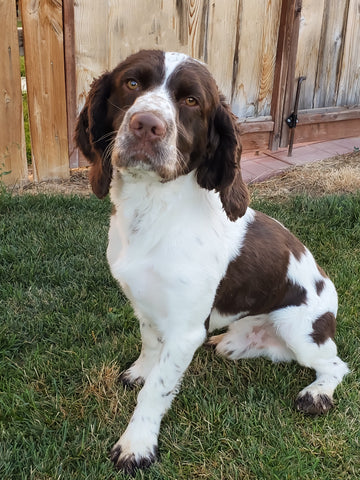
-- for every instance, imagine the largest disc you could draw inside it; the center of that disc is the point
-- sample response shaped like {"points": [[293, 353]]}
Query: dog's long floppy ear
{"points": [[93, 134], [221, 169]]}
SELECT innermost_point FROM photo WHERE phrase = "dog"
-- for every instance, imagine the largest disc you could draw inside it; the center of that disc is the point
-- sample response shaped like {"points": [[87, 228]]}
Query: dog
{"points": [[186, 248]]}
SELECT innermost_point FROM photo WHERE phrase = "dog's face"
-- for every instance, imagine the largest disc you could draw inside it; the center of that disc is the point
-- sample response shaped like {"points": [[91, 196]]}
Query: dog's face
{"points": [[162, 114], [162, 129]]}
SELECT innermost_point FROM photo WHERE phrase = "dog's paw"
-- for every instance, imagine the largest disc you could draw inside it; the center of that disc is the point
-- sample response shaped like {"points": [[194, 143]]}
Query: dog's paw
{"points": [[311, 404], [137, 373], [130, 378], [224, 346], [129, 462], [214, 341]]}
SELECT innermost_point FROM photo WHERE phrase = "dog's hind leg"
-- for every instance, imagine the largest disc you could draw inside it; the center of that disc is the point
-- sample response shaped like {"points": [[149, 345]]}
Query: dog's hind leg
{"points": [[289, 334], [310, 339], [250, 337]]}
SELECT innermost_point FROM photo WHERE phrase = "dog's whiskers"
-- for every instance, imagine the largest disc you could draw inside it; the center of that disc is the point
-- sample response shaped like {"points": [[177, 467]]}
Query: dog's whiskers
{"points": [[121, 109], [108, 150], [106, 136]]}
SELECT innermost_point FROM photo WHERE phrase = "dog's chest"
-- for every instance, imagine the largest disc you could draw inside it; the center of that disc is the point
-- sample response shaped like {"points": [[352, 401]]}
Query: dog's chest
{"points": [[168, 245], [151, 231]]}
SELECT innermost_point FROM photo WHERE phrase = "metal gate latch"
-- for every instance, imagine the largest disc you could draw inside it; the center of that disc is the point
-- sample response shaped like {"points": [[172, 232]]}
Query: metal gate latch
{"points": [[292, 119]]}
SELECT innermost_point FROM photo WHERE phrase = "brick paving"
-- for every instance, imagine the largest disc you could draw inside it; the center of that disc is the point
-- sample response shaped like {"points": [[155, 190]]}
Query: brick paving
{"points": [[262, 165]]}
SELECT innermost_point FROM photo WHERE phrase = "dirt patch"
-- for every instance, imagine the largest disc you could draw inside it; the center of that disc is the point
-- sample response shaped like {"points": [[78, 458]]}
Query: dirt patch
{"points": [[77, 184], [336, 175]]}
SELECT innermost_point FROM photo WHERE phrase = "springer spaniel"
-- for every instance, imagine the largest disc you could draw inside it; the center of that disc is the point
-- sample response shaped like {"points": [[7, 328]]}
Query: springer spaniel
{"points": [[188, 252]]}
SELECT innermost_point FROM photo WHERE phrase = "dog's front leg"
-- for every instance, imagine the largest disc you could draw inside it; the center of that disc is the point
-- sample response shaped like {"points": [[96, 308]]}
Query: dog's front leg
{"points": [[137, 447], [150, 353]]}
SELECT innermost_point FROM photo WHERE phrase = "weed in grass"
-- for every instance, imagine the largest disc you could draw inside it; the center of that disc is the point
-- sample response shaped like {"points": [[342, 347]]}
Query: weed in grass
{"points": [[66, 332]]}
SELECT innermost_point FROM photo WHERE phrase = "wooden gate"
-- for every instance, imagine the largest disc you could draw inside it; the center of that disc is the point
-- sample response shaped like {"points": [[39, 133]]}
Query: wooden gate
{"points": [[330, 97]]}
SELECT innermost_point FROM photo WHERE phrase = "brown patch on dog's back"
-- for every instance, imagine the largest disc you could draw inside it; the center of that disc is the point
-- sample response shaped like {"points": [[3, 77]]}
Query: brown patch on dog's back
{"points": [[324, 328], [295, 295], [256, 281]]}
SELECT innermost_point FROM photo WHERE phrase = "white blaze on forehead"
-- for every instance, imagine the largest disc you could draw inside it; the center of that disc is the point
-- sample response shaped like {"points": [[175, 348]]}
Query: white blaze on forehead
{"points": [[157, 101], [172, 60]]}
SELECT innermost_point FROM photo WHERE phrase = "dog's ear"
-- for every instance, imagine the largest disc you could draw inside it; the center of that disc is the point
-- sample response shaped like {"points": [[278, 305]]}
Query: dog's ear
{"points": [[93, 134], [221, 168]]}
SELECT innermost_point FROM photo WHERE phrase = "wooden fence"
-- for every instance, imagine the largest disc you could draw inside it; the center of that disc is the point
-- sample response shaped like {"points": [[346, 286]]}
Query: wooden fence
{"points": [[256, 49]]}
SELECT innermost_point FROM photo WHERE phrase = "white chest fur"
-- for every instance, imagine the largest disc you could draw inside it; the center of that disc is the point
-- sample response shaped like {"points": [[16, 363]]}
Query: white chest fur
{"points": [[169, 246]]}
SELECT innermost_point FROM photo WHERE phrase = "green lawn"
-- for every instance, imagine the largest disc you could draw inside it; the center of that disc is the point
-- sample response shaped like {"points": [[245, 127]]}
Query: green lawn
{"points": [[66, 332]]}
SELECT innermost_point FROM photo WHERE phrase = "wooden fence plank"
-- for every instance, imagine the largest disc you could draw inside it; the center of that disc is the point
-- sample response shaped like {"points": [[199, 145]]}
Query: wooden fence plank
{"points": [[323, 115], [331, 52], [325, 131], [223, 29], [307, 59], [44, 60], [70, 80], [349, 84], [321, 51], [12, 136], [158, 28], [282, 94], [258, 24], [91, 44]]}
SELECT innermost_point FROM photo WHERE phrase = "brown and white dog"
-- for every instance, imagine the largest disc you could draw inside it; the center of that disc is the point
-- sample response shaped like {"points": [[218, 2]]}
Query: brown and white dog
{"points": [[185, 247]]}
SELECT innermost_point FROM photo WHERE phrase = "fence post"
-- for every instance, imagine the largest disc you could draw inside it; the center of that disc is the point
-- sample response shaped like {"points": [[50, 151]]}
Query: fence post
{"points": [[12, 135], [45, 75], [284, 77]]}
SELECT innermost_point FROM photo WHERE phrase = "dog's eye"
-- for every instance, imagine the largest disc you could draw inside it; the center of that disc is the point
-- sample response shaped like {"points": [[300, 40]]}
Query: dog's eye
{"points": [[132, 84], [191, 101]]}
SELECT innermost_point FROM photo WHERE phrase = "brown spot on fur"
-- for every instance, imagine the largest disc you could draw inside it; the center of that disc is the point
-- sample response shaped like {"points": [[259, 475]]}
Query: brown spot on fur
{"points": [[319, 285], [256, 280], [207, 323], [113, 210], [295, 295], [324, 328]]}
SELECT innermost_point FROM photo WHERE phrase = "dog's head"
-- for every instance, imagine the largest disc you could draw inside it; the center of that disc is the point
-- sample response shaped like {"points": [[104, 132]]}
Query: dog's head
{"points": [[162, 113]]}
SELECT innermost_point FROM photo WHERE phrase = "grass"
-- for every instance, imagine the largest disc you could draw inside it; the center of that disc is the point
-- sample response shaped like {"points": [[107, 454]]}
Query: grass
{"points": [[22, 66], [66, 331]]}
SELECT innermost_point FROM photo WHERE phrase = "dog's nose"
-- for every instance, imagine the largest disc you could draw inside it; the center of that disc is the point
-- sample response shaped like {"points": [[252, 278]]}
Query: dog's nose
{"points": [[147, 125]]}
